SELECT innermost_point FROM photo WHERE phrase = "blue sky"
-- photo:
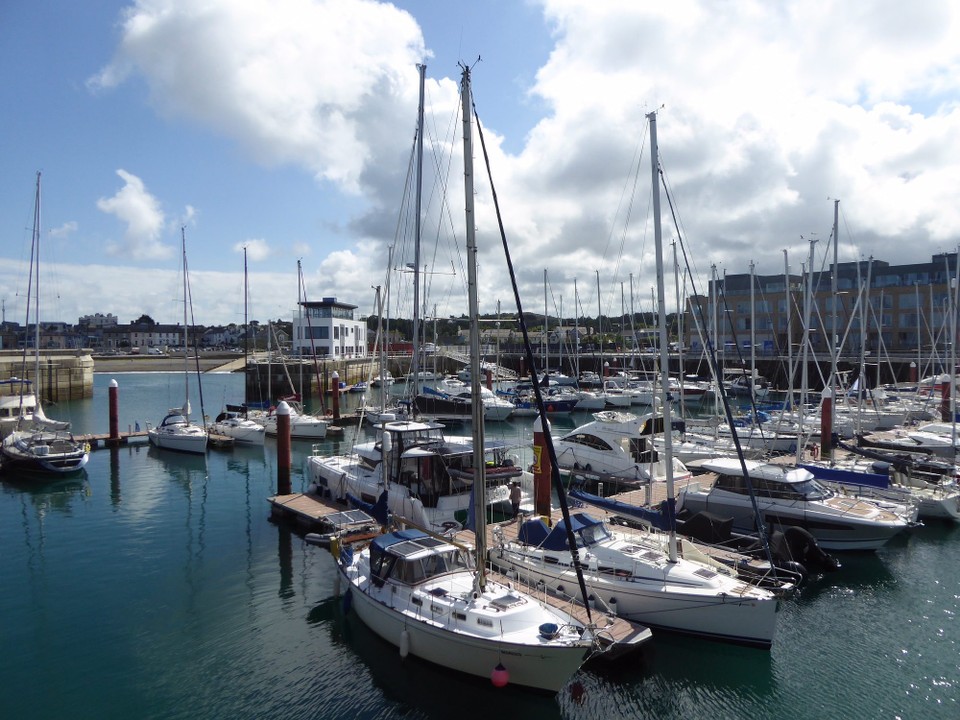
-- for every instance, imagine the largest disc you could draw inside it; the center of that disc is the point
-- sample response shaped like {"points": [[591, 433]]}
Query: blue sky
{"points": [[287, 127]]}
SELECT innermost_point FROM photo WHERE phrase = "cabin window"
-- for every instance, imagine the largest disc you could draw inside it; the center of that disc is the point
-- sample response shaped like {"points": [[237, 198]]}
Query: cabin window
{"points": [[591, 441]]}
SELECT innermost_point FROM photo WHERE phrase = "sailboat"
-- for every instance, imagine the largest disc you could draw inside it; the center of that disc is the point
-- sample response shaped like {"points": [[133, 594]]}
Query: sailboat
{"points": [[424, 593], [37, 445], [642, 577], [175, 431], [233, 421]]}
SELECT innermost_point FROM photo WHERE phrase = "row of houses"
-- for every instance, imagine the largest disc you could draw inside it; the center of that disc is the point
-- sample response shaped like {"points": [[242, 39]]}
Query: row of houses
{"points": [[327, 328]]}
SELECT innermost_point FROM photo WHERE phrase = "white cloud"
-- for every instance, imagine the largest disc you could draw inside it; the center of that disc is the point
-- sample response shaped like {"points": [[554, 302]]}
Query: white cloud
{"points": [[144, 219], [770, 110], [307, 82], [65, 230], [257, 249]]}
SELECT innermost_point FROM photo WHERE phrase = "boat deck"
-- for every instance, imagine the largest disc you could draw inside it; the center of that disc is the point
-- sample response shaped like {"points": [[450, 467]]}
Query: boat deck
{"points": [[617, 635]]}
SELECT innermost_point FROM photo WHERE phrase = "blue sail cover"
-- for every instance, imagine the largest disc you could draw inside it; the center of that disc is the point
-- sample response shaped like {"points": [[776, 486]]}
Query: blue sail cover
{"points": [[660, 519], [538, 534]]}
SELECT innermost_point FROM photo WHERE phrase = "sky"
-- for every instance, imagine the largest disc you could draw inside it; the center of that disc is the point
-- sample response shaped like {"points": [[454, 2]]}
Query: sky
{"points": [[286, 129]]}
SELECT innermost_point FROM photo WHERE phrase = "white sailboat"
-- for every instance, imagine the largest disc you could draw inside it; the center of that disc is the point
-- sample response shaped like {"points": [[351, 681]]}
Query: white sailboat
{"points": [[424, 594], [642, 577], [175, 431], [32, 443], [233, 421]]}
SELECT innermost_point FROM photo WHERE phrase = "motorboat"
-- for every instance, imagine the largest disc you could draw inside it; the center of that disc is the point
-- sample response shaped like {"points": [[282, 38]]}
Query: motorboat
{"points": [[233, 424], [619, 445], [429, 474], [630, 573], [786, 497]]}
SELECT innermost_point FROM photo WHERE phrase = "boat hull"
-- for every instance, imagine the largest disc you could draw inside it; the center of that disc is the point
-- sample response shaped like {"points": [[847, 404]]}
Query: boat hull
{"points": [[747, 621], [542, 667], [179, 442]]}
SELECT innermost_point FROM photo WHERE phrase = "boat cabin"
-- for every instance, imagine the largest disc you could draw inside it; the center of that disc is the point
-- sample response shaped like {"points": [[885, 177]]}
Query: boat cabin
{"points": [[774, 482], [412, 557]]}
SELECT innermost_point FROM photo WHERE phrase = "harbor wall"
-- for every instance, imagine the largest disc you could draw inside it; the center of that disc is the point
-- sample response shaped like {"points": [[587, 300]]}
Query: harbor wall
{"points": [[64, 374]]}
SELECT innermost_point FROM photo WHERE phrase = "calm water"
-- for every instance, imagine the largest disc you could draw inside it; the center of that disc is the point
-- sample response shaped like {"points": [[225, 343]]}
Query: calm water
{"points": [[156, 587]]}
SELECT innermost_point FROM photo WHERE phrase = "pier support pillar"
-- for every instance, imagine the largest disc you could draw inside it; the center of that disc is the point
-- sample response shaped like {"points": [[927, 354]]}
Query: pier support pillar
{"points": [[542, 470], [114, 395], [335, 393], [283, 448]]}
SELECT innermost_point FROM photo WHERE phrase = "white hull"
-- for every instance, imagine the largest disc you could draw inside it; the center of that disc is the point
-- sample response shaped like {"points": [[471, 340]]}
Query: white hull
{"points": [[191, 441], [302, 427], [242, 431], [449, 628], [656, 602]]}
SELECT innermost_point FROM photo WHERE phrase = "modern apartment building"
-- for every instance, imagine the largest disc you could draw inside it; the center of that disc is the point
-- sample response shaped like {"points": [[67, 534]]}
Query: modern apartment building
{"points": [[885, 309]]}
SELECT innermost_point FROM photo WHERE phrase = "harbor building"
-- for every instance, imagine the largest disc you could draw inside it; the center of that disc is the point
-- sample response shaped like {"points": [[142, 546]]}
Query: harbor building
{"points": [[328, 329], [881, 308]]}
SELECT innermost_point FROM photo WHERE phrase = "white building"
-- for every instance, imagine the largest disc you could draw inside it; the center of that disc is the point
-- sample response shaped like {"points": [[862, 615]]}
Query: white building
{"points": [[328, 329]]}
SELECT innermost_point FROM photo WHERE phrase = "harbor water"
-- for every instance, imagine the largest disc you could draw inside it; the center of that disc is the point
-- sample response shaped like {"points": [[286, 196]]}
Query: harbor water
{"points": [[155, 586]]}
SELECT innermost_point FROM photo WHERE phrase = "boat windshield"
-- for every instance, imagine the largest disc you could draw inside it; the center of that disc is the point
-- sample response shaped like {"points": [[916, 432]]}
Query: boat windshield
{"points": [[812, 490], [416, 570], [592, 535]]}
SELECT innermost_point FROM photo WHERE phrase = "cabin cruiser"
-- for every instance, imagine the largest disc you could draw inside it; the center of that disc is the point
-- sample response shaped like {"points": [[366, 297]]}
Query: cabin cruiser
{"points": [[788, 497], [429, 474], [619, 445]]}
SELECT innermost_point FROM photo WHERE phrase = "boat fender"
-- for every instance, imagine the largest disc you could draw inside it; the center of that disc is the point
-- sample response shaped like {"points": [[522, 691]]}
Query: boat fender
{"points": [[404, 643], [499, 677], [347, 602]]}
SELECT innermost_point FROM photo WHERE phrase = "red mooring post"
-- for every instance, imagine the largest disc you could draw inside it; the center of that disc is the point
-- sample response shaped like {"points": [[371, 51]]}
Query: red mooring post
{"points": [[826, 424], [541, 468], [114, 395], [913, 372], [489, 379], [335, 392], [283, 448]]}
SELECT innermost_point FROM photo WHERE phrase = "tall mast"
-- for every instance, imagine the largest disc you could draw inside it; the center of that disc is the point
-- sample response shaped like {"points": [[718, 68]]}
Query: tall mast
{"points": [[246, 329], [753, 340], [36, 291], [834, 332], [546, 329], [789, 327], [476, 401], [415, 361], [662, 325], [186, 343]]}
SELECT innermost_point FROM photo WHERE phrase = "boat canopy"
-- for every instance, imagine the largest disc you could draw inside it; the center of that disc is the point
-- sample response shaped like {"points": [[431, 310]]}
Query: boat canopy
{"points": [[538, 533]]}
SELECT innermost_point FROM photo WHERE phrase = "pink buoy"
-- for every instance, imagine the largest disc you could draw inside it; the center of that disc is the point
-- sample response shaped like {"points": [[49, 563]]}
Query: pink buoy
{"points": [[500, 677]]}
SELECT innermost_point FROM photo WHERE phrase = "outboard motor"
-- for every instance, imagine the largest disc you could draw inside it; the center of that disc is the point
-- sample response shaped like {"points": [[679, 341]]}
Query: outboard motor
{"points": [[803, 548]]}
